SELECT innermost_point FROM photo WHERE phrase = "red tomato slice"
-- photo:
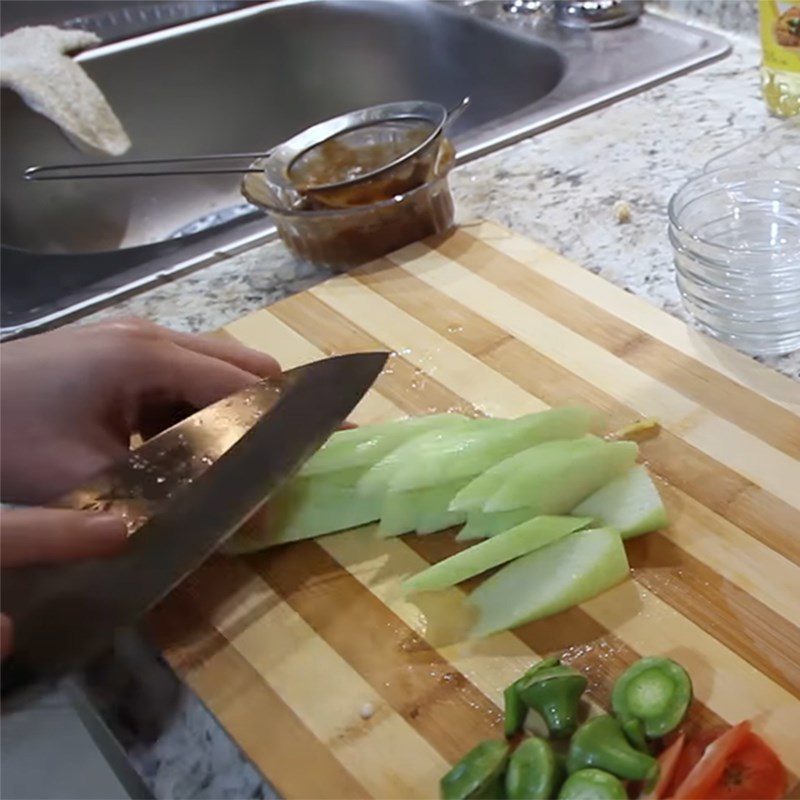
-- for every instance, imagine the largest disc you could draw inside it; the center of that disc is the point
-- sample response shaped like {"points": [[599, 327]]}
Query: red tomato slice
{"points": [[693, 749], [667, 762], [709, 769], [752, 772]]}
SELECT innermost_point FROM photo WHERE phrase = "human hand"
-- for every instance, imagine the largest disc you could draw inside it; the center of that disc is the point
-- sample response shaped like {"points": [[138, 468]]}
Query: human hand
{"points": [[72, 398], [41, 535]]}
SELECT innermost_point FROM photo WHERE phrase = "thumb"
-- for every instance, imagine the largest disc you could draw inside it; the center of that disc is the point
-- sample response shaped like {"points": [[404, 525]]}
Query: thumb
{"points": [[41, 535]]}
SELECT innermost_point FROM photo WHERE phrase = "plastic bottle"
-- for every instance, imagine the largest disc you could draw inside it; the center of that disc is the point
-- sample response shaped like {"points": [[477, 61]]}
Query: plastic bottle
{"points": [[780, 44]]}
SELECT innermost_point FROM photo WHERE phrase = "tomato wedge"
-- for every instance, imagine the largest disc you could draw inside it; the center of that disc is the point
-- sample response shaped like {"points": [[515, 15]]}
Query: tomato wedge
{"points": [[738, 765], [693, 748], [710, 768], [667, 762], [753, 772]]}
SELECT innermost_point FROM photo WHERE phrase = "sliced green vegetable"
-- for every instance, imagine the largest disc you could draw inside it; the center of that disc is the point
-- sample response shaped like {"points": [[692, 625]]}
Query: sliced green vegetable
{"points": [[533, 771], [440, 520], [555, 694], [481, 524], [634, 733], [546, 581], [379, 477], [514, 710], [425, 510], [629, 503], [479, 774], [600, 743], [364, 446], [555, 477], [545, 663], [308, 507], [551, 478], [504, 547], [479, 447], [592, 784], [656, 691]]}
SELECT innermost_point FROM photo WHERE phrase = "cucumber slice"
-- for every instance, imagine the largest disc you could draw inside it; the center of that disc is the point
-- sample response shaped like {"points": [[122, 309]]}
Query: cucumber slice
{"points": [[554, 480], [474, 495], [480, 447], [307, 507], [378, 478], [524, 538], [550, 478], [423, 510], [630, 503], [481, 524], [358, 447], [441, 519], [546, 581]]}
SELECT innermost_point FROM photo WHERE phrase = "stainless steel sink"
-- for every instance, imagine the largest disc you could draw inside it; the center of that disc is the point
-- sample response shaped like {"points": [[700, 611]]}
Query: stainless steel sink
{"points": [[246, 80]]}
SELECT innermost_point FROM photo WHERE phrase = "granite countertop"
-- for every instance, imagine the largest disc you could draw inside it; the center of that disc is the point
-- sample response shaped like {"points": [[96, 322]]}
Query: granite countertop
{"points": [[559, 188]]}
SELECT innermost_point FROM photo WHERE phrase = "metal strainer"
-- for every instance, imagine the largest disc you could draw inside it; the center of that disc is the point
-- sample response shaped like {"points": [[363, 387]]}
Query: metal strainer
{"points": [[390, 147], [392, 142]]}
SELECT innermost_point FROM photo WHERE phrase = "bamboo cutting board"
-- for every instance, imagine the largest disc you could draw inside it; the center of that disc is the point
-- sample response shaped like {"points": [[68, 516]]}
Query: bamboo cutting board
{"points": [[293, 647]]}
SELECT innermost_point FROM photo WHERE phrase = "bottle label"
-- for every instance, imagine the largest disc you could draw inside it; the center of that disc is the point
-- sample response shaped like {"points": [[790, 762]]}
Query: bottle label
{"points": [[780, 35]]}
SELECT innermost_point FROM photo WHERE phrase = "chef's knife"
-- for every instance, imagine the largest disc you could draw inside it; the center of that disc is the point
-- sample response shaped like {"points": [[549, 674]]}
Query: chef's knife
{"points": [[64, 614]]}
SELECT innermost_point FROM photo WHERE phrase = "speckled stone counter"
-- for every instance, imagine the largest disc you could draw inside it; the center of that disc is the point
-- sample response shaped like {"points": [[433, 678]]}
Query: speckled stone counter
{"points": [[559, 188]]}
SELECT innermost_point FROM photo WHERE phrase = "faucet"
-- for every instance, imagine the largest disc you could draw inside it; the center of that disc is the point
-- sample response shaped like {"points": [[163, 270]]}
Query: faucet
{"points": [[591, 13]]}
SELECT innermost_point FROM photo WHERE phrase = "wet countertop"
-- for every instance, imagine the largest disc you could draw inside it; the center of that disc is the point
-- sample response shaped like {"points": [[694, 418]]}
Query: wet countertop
{"points": [[559, 188]]}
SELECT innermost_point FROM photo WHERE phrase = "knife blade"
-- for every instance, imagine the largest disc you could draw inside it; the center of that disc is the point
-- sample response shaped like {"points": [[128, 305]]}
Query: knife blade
{"points": [[64, 614]]}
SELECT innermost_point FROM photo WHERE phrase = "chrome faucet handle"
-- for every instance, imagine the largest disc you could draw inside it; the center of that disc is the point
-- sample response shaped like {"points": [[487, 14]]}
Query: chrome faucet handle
{"points": [[598, 13], [527, 6], [572, 13]]}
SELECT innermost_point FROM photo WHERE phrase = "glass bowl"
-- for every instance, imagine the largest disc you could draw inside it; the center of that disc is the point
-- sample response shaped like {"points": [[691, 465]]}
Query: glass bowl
{"points": [[735, 234], [345, 237]]}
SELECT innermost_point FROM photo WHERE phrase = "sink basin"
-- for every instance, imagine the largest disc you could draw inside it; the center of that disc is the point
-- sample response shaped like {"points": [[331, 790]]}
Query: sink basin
{"points": [[246, 80]]}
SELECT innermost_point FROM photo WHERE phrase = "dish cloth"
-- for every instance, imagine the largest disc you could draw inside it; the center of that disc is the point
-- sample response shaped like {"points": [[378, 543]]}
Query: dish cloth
{"points": [[34, 63]]}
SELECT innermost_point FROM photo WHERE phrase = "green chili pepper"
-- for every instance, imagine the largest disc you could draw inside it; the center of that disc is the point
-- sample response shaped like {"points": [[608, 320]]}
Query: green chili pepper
{"points": [[555, 693], [533, 771], [601, 743], [634, 733], [515, 709], [592, 784], [478, 775], [545, 663], [656, 691]]}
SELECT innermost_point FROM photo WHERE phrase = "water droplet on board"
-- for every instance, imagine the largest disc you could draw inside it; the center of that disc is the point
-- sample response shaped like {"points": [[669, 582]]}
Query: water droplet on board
{"points": [[455, 328]]}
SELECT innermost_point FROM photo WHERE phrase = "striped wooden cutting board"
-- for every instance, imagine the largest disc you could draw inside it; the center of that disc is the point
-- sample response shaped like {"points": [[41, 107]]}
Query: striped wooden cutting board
{"points": [[291, 647]]}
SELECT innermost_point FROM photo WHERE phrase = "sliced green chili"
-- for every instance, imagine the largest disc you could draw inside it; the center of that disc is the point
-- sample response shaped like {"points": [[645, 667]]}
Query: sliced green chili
{"points": [[555, 693], [656, 691], [592, 784], [478, 775], [534, 772], [601, 743], [634, 733], [515, 709]]}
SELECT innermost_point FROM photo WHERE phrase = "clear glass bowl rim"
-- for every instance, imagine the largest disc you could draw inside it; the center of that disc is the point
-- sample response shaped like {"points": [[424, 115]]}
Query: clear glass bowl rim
{"points": [[738, 176], [349, 211]]}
